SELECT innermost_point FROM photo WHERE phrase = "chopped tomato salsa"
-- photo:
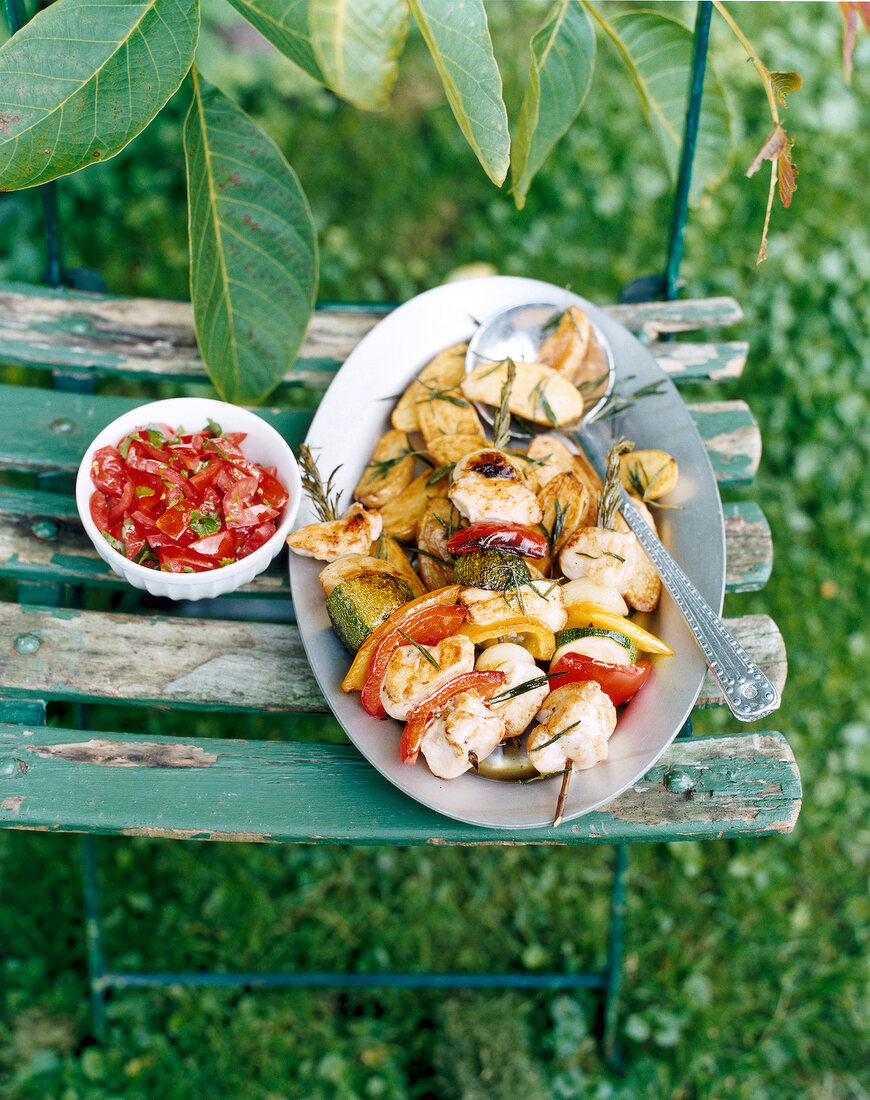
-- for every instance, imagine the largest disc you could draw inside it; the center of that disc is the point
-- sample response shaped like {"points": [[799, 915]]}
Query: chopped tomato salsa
{"points": [[183, 502]]}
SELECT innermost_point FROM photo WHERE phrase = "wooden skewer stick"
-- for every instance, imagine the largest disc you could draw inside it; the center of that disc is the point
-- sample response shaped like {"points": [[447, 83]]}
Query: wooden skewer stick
{"points": [[563, 793]]}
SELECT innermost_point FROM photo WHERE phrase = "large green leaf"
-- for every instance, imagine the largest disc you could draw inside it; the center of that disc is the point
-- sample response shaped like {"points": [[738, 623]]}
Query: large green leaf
{"points": [[563, 57], [83, 78], [457, 35], [357, 46], [253, 252], [286, 27], [658, 52]]}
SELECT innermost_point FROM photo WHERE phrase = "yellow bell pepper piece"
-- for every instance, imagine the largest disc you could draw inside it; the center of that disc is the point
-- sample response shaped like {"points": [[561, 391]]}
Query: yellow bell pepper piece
{"points": [[537, 638], [359, 669], [587, 614]]}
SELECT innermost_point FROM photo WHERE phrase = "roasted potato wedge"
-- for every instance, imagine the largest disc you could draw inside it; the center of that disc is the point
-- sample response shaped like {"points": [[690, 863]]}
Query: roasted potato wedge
{"points": [[402, 514], [389, 471], [565, 349], [551, 457], [649, 474], [539, 393], [567, 504], [448, 449], [387, 549], [444, 372], [439, 521]]}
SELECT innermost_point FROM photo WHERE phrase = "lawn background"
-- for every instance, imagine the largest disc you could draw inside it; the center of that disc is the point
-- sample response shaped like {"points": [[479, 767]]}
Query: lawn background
{"points": [[746, 970]]}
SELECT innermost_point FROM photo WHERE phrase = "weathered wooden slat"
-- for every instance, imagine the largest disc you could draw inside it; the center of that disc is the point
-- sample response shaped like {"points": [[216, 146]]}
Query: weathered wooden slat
{"points": [[69, 780], [210, 664], [41, 539], [687, 361], [45, 430], [147, 337]]}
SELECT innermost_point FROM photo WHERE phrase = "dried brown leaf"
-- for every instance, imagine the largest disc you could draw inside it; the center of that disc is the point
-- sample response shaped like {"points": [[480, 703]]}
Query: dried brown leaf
{"points": [[787, 175], [850, 27], [773, 146]]}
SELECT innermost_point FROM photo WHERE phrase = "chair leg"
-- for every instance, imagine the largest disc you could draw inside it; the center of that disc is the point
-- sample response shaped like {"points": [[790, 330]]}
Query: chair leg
{"points": [[94, 936], [613, 974]]}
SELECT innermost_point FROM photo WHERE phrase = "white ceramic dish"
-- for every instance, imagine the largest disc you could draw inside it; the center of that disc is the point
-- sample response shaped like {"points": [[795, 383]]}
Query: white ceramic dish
{"points": [[352, 415], [263, 445]]}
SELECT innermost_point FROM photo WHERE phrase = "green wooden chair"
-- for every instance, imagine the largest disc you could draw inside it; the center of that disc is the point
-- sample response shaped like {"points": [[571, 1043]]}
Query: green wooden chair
{"points": [[173, 786]]}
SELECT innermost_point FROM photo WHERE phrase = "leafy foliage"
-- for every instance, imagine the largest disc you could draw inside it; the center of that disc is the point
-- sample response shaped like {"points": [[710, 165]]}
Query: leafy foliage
{"points": [[127, 65], [80, 81], [252, 245]]}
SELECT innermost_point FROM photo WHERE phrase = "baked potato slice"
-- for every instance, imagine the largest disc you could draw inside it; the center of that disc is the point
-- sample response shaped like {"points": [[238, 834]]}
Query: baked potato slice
{"points": [[565, 349], [440, 519], [387, 549], [389, 471], [445, 371], [449, 449], [567, 504], [402, 514], [649, 474], [539, 393]]}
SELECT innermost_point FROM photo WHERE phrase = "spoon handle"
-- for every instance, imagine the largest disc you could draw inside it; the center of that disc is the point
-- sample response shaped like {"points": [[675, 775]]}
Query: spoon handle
{"points": [[748, 692]]}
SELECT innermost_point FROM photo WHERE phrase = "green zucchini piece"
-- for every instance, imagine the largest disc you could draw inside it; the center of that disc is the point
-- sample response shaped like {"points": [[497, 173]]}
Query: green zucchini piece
{"points": [[575, 633], [359, 604], [492, 569]]}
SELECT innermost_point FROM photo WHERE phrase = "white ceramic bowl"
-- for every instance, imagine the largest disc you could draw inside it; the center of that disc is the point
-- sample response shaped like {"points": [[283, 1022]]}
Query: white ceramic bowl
{"points": [[263, 445]]}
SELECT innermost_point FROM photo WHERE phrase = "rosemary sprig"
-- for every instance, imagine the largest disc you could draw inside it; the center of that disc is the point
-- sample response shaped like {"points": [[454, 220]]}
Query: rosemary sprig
{"points": [[439, 472], [553, 534], [323, 498], [611, 493], [421, 649], [521, 689], [615, 407], [426, 554], [501, 422], [442, 395], [556, 736]]}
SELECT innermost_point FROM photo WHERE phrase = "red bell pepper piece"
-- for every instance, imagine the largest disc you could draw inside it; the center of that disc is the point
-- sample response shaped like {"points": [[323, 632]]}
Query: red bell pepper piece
{"points": [[495, 535], [486, 684], [620, 682], [428, 627]]}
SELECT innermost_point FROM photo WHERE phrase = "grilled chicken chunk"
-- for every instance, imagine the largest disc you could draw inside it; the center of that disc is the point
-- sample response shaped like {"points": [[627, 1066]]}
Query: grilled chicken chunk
{"points": [[488, 485], [460, 735], [352, 534], [541, 600], [411, 675], [576, 722]]}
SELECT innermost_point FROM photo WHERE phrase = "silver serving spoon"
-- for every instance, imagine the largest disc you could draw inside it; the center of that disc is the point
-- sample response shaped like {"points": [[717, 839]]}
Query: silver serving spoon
{"points": [[518, 332]]}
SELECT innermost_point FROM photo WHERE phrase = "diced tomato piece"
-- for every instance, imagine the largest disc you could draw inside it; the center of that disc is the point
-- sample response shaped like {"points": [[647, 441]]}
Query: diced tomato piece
{"points": [[134, 538], [181, 559], [175, 520], [272, 492], [219, 546], [107, 471], [99, 510], [430, 626], [204, 477], [119, 509], [162, 454], [256, 537], [186, 455], [237, 499]]}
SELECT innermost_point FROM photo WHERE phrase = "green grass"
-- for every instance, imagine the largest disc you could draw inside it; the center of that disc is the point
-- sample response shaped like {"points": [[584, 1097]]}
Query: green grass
{"points": [[746, 969]]}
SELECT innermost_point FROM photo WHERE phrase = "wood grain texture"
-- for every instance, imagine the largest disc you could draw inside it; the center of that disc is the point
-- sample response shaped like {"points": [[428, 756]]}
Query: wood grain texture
{"points": [[210, 664], [67, 780], [42, 540], [148, 337], [49, 431]]}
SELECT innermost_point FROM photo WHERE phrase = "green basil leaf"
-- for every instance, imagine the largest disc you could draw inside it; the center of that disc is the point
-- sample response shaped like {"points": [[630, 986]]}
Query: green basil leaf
{"points": [[253, 250], [81, 80], [563, 57], [458, 39], [204, 524]]}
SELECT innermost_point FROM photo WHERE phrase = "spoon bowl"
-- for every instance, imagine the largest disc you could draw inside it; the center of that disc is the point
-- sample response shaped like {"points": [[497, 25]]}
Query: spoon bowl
{"points": [[518, 333]]}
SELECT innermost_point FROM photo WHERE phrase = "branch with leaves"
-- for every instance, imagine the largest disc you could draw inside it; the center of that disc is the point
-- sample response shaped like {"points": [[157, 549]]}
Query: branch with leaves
{"points": [[253, 250]]}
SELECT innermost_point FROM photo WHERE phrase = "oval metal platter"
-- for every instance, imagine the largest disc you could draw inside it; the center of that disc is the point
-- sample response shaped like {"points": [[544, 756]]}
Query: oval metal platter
{"points": [[355, 411]]}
